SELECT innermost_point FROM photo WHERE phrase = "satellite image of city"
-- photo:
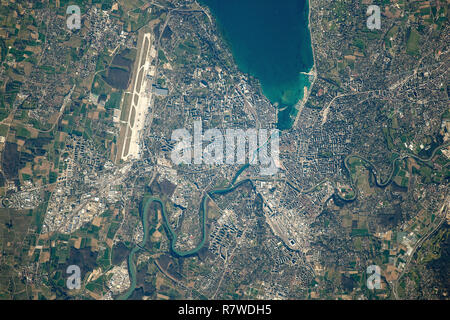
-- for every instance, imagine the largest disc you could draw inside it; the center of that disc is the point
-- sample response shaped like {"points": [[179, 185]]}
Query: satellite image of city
{"points": [[222, 150]]}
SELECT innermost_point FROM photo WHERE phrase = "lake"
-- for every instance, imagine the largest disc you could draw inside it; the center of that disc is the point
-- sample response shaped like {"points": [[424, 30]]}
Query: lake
{"points": [[269, 40]]}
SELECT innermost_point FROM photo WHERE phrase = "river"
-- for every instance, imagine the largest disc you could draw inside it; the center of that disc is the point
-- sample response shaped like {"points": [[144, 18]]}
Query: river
{"points": [[148, 200]]}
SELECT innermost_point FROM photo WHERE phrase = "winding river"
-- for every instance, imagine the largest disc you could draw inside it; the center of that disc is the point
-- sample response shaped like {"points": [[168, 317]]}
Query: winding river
{"points": [[233, 185], [374, 169], [170, 232]]}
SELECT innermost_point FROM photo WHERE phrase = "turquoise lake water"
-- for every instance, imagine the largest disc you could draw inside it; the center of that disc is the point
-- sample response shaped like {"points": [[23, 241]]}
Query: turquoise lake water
{"points": [[270, 40]]}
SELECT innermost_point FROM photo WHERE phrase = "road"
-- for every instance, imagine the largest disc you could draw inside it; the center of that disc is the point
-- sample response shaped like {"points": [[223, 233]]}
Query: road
{"points": [[419, 243], [61, 110], [402, 156]]}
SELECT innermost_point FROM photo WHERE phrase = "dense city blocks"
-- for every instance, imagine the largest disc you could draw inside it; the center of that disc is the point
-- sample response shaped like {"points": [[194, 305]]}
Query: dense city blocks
{"points": [[224, 150]]}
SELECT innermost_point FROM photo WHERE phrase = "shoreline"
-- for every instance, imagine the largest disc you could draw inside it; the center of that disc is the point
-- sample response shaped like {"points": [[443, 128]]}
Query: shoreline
{"points": [[298, 106], [312, 72]]}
